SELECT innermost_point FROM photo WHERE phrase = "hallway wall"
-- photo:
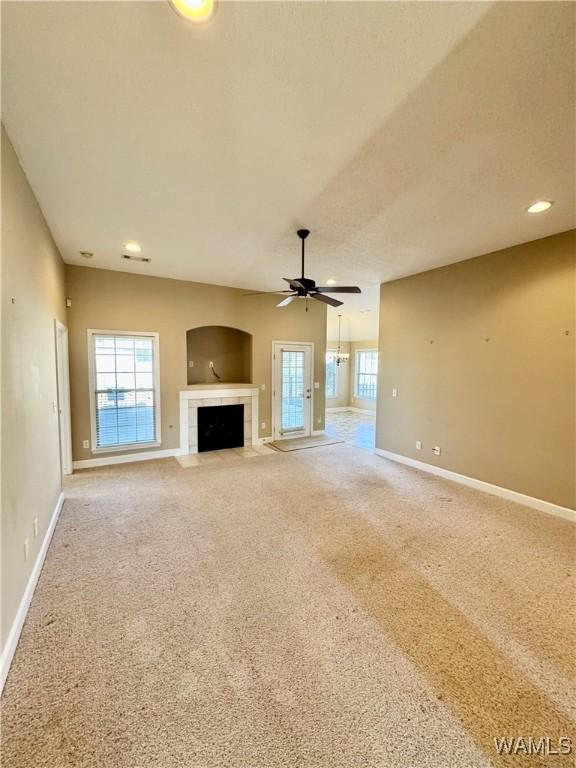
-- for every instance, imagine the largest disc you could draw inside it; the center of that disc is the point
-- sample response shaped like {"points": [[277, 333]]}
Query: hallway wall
{"points": [[32, 298]]}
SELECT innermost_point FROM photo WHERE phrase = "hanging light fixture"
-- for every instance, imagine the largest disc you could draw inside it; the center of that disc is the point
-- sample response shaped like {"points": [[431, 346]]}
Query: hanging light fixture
{"points": [[341, 357]]}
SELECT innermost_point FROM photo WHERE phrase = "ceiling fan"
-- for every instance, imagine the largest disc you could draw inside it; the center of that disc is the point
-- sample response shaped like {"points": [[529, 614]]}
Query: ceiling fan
{"points": [[304, 287]]}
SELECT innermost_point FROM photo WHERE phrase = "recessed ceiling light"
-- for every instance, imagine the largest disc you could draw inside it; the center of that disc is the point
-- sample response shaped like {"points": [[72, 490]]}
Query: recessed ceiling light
{"points": [[132, 246], [196, 11], [331, 281], [540, 206]]}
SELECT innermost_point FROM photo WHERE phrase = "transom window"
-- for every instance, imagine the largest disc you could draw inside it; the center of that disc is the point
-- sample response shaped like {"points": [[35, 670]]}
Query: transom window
{"points": [[331, 375], [125, 392], [366, 379]]}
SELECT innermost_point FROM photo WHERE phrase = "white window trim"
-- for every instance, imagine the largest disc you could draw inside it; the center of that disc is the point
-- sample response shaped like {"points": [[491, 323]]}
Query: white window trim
{"points": [[336, 395], [91, 333], [356, 395]]}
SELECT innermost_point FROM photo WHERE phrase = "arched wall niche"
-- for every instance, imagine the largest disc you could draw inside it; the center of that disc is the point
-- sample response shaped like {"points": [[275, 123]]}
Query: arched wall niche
{"points": [[217, 353]]}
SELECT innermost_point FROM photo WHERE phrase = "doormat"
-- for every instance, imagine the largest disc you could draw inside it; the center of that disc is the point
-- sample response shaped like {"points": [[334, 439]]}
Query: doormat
{"points": [[298, 443]]}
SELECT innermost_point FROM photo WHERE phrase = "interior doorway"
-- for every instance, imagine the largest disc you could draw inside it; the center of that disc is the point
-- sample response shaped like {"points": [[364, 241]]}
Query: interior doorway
{"points": [[292, 389], [63, 383]]}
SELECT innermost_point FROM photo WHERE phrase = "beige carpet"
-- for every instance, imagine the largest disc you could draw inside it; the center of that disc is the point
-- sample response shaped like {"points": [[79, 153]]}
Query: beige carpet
{"points": [[318, 608]]}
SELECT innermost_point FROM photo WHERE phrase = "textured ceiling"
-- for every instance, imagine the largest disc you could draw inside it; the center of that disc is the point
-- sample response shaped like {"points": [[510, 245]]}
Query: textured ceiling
{"points": [[404, 135]]}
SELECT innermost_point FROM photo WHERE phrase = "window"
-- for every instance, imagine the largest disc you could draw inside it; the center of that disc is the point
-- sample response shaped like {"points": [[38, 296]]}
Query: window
{"points": [[331, 375], [366, 379], [125, 392]]}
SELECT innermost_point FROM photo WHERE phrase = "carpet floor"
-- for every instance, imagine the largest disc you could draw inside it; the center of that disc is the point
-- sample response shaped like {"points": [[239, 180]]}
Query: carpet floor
{"points": [[323, 608]]}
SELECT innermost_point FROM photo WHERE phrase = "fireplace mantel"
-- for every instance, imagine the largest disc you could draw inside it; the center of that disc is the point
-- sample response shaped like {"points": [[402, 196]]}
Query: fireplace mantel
{"points": [[192, 399]]}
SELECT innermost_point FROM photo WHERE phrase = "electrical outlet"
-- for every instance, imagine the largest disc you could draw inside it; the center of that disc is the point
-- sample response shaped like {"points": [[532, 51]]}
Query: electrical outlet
{"points": [[436, 450], [26, 549], [263, 425], [418, 445], [394, 392], [35, 524], [263, 387], [319, 420], [86, 444]]}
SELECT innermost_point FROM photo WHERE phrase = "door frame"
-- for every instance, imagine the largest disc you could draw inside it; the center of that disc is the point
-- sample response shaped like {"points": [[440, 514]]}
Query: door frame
{"points": [[275, 399], [63, 393]]}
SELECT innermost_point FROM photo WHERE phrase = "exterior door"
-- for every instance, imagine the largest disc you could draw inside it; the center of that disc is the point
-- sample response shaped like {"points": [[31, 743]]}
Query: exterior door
{"points": [[292, 391]]}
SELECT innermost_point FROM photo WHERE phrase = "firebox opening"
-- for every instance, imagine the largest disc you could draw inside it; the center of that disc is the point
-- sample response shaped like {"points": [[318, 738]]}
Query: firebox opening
{"points": [[220, 426]]}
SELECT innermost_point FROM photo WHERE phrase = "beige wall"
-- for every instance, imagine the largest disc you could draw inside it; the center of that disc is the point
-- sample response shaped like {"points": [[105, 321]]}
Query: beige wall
{"points": [[483, 354], [32, 297], [107, 300], [343, 399], [358, 402]]}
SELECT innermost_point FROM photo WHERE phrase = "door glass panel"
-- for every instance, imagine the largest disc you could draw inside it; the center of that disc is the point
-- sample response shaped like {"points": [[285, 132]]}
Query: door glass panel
{"points": [[293, 391]]}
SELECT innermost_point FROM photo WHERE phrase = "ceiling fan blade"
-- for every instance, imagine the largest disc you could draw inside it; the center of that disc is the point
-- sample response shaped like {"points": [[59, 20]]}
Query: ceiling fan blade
{"points": [[265, 293], [287, 300], [337, 289], [294, 282], [326, 299]]}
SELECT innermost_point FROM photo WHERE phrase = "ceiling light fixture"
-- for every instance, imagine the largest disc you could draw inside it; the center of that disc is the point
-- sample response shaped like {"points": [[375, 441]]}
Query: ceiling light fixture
{"points": [[86, 254], [331, 281], [341, 357], [540, 206], [197, 11], [133, 246]]}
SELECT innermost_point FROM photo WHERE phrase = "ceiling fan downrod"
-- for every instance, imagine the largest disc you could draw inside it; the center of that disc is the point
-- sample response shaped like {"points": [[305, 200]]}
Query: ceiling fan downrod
{"points": [[303, 234]]}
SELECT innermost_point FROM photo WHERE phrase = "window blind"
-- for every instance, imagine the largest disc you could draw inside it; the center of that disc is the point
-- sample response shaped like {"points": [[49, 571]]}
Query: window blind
{"points": [[366, 374], [125, 396], [331, 375]]}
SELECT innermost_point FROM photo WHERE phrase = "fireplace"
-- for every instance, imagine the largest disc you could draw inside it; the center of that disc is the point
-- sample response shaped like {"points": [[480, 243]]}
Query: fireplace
{"points": [[195, 398], [220, 426]]}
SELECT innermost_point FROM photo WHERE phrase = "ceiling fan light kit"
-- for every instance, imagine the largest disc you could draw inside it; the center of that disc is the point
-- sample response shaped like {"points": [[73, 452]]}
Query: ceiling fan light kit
{"points": [[306, 288]]}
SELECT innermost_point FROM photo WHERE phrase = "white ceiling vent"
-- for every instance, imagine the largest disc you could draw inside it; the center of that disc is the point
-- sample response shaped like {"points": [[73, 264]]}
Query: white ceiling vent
{"points": [[131, 257]]}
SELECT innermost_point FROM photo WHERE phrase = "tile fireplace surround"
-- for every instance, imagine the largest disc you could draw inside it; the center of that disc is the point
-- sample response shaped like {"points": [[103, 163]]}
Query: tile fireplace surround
{"points": [[192, 399]]}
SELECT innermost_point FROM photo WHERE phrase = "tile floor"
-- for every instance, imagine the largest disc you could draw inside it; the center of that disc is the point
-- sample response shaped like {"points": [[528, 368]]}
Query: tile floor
{"points": [[359, 429], [225, 456]]}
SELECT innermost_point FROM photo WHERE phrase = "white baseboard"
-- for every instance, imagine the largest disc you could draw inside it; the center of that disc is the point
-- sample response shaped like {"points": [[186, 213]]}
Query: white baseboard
{"points": [[481, 485], [126, 458], [14, 634]]}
